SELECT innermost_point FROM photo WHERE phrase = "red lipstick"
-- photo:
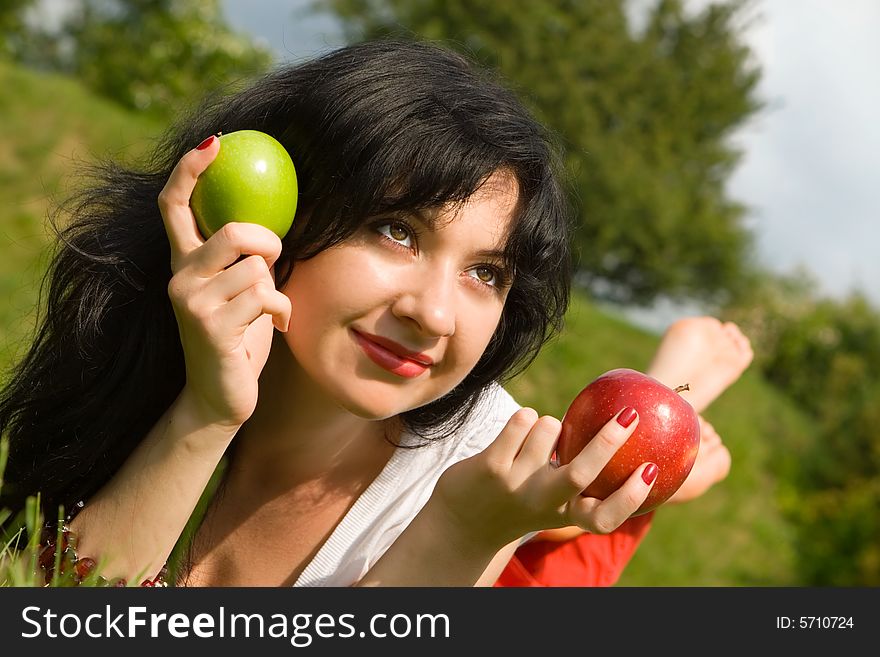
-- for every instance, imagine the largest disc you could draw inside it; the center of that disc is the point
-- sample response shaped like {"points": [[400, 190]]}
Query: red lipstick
{"points": [[392, 356]]}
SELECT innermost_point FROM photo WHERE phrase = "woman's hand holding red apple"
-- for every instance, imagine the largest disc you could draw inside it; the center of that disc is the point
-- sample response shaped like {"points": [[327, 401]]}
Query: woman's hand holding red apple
{"points": [[512, 487], [225, 309]]}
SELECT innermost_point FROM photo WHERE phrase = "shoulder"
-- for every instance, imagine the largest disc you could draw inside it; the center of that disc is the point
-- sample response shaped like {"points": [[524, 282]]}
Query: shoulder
{"points": [[488, 418], [485, 421], [498, 404]]}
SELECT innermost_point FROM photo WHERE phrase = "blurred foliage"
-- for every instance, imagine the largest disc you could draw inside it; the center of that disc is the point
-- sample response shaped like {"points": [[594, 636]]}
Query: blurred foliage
{"points": [[644, 117], [825, 354], [149, 55], [54, 129], [12, 26]]}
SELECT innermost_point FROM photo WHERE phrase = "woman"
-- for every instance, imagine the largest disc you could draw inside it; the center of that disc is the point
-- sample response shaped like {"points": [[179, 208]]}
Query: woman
{"points": [[428, 263]]}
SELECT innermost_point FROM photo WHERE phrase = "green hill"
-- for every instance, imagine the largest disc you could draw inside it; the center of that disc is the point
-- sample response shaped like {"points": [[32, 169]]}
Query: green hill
{"points": [[734, 535], [51, 124]]}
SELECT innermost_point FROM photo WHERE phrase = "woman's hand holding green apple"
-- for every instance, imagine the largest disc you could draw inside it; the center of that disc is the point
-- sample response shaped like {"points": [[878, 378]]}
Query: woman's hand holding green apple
{"points": [[225, 309]]}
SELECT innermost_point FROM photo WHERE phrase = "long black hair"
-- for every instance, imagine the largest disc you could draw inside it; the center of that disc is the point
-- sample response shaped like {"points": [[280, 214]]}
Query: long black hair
{"points": [[373, 128]]}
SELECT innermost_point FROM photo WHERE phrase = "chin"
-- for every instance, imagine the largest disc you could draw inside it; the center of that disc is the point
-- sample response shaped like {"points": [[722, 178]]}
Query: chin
{"points": [[372, 402], [367, 392], [374, 408]]}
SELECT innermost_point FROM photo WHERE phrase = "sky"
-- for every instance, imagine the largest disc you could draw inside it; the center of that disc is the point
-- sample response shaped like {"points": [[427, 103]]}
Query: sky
{"points": [[811, 168], [811, 171]]}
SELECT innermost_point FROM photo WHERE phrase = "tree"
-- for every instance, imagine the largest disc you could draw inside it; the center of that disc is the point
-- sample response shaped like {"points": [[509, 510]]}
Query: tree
{"points": [[153, 55], [825, 354], [644, 118], [12, 26]]}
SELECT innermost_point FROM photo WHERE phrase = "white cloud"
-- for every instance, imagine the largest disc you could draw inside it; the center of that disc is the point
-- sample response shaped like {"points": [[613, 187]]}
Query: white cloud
{"points": [[812, 160]]}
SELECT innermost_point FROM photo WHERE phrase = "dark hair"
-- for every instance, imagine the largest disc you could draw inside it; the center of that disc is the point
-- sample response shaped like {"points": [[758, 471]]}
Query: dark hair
{"points": [[373, 128]]}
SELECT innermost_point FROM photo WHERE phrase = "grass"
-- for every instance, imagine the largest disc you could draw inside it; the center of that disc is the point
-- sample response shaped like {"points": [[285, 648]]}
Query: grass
{"points": [[733, 536], [50, 124]]}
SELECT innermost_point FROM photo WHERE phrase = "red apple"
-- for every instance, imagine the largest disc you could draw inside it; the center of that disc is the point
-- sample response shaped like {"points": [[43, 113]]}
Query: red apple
{"points": [[668, 433]]}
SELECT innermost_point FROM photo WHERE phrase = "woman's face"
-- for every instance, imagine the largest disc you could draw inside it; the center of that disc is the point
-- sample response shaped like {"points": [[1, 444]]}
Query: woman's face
{"points": [[397, 315]]}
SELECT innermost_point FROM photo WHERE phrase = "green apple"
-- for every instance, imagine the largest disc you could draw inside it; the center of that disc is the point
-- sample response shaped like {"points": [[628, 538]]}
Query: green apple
{"points": [[252, 179]]}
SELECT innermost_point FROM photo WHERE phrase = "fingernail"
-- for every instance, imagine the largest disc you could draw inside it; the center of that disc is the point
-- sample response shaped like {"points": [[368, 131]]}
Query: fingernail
{"points": [[206, 143], [626, 417], [650, 473]]}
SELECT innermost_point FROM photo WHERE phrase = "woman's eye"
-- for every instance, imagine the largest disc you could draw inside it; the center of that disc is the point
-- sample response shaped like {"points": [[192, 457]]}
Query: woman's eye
{"points": [[485, 275], [396, 233]]}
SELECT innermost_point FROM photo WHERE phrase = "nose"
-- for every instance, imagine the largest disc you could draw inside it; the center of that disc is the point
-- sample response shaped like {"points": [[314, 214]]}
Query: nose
{"points": [[428, 300]]}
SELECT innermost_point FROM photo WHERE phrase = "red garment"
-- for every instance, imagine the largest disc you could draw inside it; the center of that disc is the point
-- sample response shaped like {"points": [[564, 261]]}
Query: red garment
{"points": [[587, 560]]}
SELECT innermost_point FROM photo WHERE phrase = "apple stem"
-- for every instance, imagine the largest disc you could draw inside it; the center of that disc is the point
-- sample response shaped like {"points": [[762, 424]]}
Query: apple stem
{"points": [[682, 388]]}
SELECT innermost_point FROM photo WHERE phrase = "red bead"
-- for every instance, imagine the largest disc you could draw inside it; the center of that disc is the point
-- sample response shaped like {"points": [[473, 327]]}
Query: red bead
{"points": [[47, 556], [84, 566]]}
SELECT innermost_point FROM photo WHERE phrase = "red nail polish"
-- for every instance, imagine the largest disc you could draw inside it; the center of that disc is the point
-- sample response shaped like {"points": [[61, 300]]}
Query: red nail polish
{"points": [[626, 417], [206, 143], [650, 474]]}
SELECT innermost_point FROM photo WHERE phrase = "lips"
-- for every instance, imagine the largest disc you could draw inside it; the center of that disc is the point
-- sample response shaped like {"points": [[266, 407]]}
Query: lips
{"points": [[392, 356]]}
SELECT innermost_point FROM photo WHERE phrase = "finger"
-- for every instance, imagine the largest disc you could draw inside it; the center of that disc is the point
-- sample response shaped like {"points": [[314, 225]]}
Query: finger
{"points": [[585, 467], [180, 223], [254, 302], [231, 282], [508, 443], [234, 240], [539, 445], [604, 516]]}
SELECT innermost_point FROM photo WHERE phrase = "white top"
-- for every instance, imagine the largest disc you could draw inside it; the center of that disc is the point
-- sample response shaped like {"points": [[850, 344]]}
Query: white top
{"points": [[393, 499]]}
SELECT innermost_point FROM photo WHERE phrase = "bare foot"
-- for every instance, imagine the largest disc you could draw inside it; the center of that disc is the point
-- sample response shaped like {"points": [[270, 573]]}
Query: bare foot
{"points": [[703, 353], [712, 465]]}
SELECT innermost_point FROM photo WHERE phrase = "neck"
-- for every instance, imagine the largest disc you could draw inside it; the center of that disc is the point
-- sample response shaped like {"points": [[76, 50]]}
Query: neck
{"points": [[299, 434]]}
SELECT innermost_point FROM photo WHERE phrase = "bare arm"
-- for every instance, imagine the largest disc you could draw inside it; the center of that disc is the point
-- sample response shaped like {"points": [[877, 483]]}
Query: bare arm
{"points": [[431, 553], [470, 527], [498, 564], [225, 309], [134, 521]]}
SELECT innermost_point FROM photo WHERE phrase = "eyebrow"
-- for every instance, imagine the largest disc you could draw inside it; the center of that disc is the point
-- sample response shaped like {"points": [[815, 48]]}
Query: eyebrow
{"points": [[430, 222]]}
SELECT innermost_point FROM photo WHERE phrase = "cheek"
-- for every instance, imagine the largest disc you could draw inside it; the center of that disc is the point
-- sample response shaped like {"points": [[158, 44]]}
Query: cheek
{"points": [[473, 334], [336, 282]]}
